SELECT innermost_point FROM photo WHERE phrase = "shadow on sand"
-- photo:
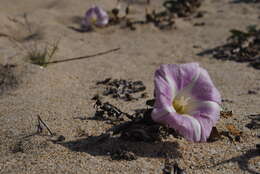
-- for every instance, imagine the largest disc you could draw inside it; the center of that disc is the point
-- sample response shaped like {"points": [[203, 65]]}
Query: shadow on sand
{"points": [[246, 1], [243, 160], [255, 121], [97, 147]]}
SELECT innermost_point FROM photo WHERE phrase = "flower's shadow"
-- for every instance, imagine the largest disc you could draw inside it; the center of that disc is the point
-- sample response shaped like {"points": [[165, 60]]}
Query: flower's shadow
{"points": [[140, 136], [96, 146], [77, 20]]}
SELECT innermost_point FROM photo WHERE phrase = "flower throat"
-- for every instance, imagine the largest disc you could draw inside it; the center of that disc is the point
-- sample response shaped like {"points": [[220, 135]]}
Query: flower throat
{"points": [[180, 104]]}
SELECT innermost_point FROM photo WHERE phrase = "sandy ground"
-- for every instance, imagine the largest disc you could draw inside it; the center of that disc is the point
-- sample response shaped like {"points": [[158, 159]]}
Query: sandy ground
{"points": [[63, 91]]}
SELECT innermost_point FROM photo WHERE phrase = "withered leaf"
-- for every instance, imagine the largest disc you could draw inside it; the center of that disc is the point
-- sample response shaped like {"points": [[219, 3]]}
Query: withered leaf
{"points": [[233, 130]]}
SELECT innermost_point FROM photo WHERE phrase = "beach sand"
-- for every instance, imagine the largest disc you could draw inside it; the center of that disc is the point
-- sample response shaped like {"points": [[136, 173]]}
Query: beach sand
{"points": [[62, 91]]}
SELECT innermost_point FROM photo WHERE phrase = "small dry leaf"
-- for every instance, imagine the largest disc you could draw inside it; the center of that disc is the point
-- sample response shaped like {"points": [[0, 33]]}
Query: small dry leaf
{"points": [[233, 130], [226, 114], [214, 135]]}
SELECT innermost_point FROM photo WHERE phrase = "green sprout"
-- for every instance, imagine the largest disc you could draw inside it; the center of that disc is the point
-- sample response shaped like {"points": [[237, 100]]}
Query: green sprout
{"points": [[42, 56]]}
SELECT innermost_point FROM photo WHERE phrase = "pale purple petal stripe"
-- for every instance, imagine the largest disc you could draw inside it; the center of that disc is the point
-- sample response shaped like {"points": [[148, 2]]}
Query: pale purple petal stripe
{"points": [[97, 13], [182, 74], [89, 15], [102, 17], [204, 88]]}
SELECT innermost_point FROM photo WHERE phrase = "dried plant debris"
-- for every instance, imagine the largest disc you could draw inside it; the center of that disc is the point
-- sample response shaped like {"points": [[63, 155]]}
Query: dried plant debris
{"points": [[241, 47], [138, 126], [8, 79], [233, 130], [182, 8], [233, 133], [162, 20], [226, 114], [41, 125], [107, 111], [123, 89], [122, 154], [42, 129], [173, 8], [142, 132], [143, 128], [172, 168]]}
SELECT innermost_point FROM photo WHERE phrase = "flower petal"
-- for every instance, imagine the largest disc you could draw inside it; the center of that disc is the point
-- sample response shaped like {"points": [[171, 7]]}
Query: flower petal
{"points": [[165, 90], [102, 17], [171, 78], [206, 108], [206, 126], [186, 125], [164, 87], [182, 74], [95, 16], [207, 113], [159, 113], [204, 88], [89, 17]]}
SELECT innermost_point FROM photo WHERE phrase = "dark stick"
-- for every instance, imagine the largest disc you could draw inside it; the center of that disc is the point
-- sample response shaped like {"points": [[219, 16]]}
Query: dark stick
{"points": [[39, 119], [83, 57], [39, 127]]}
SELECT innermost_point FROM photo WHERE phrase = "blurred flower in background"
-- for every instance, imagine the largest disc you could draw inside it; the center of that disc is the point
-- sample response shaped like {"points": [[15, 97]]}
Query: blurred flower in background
{"points": [[95, 17]]}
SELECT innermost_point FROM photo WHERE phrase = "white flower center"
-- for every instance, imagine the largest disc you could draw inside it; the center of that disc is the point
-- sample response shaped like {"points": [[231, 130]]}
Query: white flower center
{"points": [[180, 104]]}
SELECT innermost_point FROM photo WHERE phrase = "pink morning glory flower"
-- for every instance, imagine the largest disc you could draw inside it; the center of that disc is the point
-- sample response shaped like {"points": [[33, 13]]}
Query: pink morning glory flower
{"points": [[186, 100], [95, 16]]}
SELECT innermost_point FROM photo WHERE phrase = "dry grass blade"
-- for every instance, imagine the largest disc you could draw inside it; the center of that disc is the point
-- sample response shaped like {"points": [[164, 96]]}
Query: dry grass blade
{"points": [[40, 121], [82, 57]]}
